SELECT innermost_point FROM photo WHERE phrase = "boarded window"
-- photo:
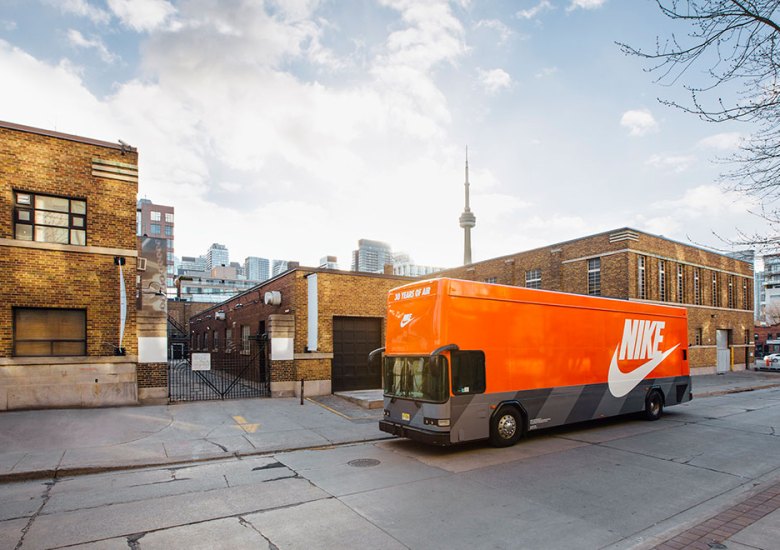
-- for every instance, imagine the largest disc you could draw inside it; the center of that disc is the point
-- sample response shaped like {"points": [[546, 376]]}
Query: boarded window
{"points": [[50, 332]]}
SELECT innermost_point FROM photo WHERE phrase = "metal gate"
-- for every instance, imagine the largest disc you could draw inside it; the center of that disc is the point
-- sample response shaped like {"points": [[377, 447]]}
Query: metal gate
{"points": [[239, 373]]}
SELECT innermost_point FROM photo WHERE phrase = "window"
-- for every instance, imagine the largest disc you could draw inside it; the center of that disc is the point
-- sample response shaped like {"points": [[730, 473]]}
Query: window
{"points": [[169, 242], [662, 280], [245, 339], [594, 277], [169, 231], [731, 292], [680, 284], [168, 217], [468, 372], [641, 278], [747, 336], [745, 303], [491, 280], [419, 378], [155, 228], [715, 301], [533, 278], [229, 340], [48, 332], [215, 338], [170, 256], [154, 216], [697, 337], [696, 286], [47, 219]]}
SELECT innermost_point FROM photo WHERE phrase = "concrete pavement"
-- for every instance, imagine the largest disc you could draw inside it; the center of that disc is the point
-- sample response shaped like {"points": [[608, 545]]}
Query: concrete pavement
{"points": [[46, 443]]}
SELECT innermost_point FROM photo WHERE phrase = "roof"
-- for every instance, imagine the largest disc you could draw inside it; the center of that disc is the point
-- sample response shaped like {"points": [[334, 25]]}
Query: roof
{"points": [[69, 137]]}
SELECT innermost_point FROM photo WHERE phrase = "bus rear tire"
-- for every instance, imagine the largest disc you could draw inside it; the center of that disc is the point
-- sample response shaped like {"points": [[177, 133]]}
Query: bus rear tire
{"points": [[654, 405], [506, 427]]}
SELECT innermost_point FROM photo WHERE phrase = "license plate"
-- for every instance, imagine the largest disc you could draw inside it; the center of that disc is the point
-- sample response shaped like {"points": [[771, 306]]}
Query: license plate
{"points": [[405, 416]]}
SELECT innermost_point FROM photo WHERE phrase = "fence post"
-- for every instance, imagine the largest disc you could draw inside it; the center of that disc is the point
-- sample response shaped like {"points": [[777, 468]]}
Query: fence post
{"points": [[301, 391]]}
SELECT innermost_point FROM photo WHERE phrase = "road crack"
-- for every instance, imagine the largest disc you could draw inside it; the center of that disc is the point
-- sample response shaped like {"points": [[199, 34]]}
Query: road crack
{"points": [[248, 524], [46, 496]]}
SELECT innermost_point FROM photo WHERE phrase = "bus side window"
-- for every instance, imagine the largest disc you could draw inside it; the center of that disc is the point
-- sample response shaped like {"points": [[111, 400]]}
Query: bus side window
{"points": [[468, 372]]}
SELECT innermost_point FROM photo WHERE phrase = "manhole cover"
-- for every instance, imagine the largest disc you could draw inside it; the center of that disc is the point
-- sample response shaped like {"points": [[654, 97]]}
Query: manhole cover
{"points": [[363, 462]]}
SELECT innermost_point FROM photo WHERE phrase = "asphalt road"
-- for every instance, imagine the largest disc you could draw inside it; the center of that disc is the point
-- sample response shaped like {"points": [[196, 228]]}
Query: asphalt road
{"points": [[624, 483]]}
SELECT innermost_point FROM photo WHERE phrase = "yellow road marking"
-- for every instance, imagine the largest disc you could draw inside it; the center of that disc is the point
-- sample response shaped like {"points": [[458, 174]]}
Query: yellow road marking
{"points": [[246, 426]]}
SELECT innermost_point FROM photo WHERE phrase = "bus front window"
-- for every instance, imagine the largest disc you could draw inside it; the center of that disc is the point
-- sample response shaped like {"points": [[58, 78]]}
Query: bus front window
{"points": [[421, 378]]}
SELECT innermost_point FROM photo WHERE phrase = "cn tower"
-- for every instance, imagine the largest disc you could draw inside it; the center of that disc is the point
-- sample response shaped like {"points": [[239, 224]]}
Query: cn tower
{"points": [[467, 219]]}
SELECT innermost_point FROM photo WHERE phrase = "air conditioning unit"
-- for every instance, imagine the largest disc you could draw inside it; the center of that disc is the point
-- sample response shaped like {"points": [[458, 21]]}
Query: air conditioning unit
{"points": [[219, 316], [141, 265], [273, 298]]}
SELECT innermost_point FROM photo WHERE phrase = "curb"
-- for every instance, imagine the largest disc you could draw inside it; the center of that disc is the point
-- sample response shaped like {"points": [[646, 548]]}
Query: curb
{"points": [[735, 390], [87, 470]]}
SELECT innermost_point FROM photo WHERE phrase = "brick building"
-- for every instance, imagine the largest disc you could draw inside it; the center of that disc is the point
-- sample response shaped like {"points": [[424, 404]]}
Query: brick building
{"points": [[767, 339], [320, 325], [67, 222], [625, 263]]}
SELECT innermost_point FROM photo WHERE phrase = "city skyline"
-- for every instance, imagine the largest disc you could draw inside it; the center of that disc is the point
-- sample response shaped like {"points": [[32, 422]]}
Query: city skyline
{"points": [[305, 127]]}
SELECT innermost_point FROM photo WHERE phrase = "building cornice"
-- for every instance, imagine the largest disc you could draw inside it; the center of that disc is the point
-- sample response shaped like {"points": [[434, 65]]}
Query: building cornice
{"points": [[70, 248]]}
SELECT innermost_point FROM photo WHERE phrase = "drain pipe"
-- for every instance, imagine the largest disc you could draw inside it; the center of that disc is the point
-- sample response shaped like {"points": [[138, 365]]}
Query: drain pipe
{"points": [[301, 391]]}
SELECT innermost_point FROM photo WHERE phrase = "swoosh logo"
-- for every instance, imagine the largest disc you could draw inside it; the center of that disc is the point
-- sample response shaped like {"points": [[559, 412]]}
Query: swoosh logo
{"points": [[621, 383], [406, 320]]}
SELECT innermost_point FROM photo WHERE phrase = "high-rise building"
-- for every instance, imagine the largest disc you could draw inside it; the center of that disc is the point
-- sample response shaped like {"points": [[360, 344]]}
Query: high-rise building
{"points": [[192, 264], [216, 256], [404, 265], [371, 256], [329, 262], [770, 307], [257, 269], [156, 220], [280, 266]]}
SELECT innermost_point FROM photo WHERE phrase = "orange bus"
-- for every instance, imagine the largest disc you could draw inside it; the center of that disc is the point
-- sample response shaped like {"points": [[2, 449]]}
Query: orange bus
{"points": [[466, 361]]}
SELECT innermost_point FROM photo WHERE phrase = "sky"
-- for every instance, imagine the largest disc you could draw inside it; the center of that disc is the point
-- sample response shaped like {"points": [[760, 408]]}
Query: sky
{"points": [[292, 129]]}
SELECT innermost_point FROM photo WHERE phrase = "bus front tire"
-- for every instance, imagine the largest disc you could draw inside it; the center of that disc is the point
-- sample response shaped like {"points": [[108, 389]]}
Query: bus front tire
{"points": [[506, 427], [654, 405]]}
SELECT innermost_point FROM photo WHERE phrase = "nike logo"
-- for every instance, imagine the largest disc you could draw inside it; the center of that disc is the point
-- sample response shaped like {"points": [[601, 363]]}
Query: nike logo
{"points": [[406, 319], [621, 383]]}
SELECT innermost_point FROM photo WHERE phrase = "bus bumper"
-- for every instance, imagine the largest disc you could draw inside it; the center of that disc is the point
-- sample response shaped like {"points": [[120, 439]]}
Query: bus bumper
{"points": [[432, 438]]}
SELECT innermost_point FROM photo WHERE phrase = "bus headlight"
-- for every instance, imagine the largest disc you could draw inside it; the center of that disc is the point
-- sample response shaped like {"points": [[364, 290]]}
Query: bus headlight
{"points": [[444, 422]]}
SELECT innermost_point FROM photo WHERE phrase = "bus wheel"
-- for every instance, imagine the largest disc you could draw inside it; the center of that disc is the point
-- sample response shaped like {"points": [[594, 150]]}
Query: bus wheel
{"points": [[506, 427], [654, 405]]}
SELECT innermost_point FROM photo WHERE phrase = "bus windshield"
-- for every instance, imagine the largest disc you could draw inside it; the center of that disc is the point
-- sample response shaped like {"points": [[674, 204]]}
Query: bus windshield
{"points": [[420, 378]]}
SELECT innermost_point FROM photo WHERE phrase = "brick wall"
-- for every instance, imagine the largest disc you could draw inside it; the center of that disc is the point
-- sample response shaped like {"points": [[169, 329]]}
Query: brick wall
{"points": [[152, 375], [564, 267], [64, 276]]}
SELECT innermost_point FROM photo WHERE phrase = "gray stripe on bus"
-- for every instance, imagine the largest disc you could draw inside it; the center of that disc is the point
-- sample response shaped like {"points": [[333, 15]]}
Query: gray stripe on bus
{"points": [[559, 404]]}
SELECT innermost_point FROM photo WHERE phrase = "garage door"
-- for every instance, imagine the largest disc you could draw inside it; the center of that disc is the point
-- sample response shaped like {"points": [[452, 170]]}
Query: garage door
{"points": [[353, 339]]}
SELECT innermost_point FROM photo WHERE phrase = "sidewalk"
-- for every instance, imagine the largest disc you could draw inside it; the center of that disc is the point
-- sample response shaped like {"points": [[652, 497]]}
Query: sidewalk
{"points": [[37, 444]]}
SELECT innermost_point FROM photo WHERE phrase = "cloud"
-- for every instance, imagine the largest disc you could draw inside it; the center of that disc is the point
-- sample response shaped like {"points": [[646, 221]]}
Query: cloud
{"points": [[82, 8], [639, 122], [707, 201], [494, 80], [585, 4], [78, 40], [531, 13], [725, 141], [504, 33], [228, 131], [673, 163], [7, 25], [546, 72], [142, 15]]}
